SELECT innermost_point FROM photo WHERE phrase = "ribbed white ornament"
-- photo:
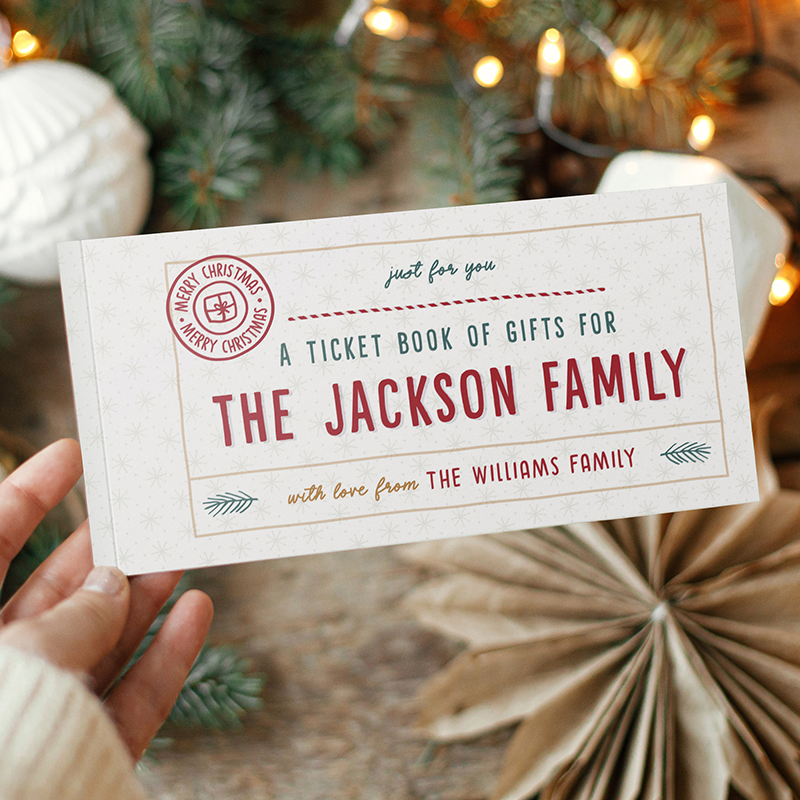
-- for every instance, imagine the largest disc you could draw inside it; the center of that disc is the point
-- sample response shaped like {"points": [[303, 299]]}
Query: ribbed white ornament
{"points": [[73, 165]]}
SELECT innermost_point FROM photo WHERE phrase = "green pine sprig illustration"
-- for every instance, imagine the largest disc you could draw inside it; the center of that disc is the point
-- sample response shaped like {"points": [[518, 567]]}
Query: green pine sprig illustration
{"points": [[686, 452], [228, 503]]}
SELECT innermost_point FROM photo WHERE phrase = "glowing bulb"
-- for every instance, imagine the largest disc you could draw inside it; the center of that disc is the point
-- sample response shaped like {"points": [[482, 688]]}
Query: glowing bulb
{"points": [[489, 3], [488, 71], [24, 44], [701, 132], [780, 292], [784, 284], [387, 22], [381, 21], [624, 69], [550, 60], [551, 54]]}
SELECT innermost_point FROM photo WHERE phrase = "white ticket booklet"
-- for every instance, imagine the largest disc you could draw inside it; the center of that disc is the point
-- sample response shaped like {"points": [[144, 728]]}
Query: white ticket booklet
{"points": [[274, 390]]}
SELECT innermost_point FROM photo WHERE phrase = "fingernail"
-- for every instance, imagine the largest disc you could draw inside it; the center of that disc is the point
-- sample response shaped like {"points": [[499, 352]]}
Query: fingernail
{"points": [[106, 580]]}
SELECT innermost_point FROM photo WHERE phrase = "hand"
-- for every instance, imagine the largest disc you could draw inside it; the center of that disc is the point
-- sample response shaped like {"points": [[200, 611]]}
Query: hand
{"points": [[92, 620]]}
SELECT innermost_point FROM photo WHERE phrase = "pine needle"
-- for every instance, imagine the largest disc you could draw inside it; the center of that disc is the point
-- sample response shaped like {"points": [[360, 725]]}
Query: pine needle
{"points": [[218, 692]]}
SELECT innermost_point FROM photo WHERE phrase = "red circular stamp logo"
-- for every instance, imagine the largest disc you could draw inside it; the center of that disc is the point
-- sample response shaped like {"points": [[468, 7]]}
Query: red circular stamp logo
{"points": [[220, 307]]}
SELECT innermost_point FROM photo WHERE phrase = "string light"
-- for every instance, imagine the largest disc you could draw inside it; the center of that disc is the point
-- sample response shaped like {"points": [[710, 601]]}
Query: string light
{"points": [[489, 3], [624, 68], [488, 71], [701, 132], [551, 57], [784, 283], [5, 42], [24, 44], [387, 22]]}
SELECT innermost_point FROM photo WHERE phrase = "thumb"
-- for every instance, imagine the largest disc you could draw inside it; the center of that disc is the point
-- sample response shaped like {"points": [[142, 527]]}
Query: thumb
{"points": [[80, 630]]}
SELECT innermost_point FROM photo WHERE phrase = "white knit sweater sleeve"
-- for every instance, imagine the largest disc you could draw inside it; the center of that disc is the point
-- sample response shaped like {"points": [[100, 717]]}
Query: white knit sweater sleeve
{"points": [[56, 741]]}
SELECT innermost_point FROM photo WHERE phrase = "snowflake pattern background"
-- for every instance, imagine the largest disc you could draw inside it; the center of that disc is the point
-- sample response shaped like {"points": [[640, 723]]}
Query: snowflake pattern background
{"points": [[151, 432]]}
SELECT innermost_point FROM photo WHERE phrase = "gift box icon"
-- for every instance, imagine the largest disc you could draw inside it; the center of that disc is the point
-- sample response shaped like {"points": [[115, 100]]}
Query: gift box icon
{"points": [[220, 307]]}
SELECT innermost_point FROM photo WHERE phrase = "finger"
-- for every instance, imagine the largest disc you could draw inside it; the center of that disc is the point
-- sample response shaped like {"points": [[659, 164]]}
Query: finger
{"points": [[55, 579], [31, 491], [148, 595], [79, 631], [142, 700]]}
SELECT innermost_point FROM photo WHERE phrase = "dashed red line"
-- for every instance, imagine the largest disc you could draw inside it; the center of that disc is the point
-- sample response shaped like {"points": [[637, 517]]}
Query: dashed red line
{"points": [[444, 303]]}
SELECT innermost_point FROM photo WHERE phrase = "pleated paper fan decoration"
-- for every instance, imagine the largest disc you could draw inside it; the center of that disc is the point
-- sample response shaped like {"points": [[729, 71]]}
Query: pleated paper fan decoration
{"points": [[651, 658]]}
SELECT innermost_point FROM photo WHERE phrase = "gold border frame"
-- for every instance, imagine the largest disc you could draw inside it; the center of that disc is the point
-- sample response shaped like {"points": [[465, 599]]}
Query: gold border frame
{"points": [[719, 421]]}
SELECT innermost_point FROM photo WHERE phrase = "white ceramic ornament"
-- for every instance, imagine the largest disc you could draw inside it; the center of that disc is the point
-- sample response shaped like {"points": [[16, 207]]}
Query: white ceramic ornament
{"points": [[73, 165], [758, 232]]}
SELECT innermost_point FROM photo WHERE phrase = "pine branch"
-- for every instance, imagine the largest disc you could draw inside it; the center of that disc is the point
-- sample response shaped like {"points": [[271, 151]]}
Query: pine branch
{"points": [[218, 691], [683, 68], [330, 114], [526, 20], [687, 452], [223, 52], [228, 503], [146, 48], [40, 545], [227, 85], [464, 152], [71, 23], [221, 158], [309, 20]]}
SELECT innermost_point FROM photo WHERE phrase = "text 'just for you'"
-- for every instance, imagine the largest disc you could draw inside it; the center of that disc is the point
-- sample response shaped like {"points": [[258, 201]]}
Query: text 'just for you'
{"points": [[437, 270]]}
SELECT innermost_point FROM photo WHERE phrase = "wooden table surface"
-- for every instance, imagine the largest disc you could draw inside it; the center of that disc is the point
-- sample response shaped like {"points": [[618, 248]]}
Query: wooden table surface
{"points": [[342, 658]]}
